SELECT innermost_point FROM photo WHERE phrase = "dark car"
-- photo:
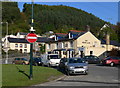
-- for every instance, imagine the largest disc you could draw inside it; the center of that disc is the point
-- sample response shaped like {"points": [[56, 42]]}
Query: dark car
{"points": [[61, 65], [111, 61], [91, 59], [23, 61], [74, 66], [37, 61]]}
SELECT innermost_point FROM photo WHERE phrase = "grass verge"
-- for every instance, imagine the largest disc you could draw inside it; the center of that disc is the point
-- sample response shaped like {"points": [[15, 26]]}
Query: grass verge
{"points": [[18, 75]]}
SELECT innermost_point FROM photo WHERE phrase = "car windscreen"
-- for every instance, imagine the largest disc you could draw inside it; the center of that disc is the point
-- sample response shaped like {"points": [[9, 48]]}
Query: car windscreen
{"points": [[53, 56], [37, 59], [75, 61], [91, 57]]}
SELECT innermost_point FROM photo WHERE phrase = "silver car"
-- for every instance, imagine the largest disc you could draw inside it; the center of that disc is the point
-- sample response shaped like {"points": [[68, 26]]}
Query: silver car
{"points": [[76, 66]]}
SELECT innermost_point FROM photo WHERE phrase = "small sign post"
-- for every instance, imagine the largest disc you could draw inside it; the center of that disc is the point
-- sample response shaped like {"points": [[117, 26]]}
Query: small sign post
{"points": [[31, 38]]}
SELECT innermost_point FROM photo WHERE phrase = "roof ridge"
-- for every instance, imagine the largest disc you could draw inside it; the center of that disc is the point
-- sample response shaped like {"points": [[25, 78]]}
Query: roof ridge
{"points": [[62, 33], [77, 31]]}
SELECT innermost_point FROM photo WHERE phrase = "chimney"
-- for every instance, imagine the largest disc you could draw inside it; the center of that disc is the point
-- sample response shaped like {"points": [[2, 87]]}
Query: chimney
{"points": [[88, 28], [107, 39]]}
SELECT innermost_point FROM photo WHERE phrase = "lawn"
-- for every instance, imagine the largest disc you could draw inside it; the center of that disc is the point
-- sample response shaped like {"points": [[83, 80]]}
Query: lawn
{"points": [[18, 75]]}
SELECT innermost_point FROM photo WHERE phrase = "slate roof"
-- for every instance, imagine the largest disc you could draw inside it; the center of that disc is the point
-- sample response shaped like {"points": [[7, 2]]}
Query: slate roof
{"points": [[17, 40], [21, 33], [112, 42], [65, 36], [61, 34], [75, 31], [44, 39]]}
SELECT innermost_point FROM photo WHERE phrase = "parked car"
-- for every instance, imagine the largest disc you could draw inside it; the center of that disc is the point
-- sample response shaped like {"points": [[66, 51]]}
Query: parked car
{"points": [[50, 59], [74, 66], [61, 65], [111, 61], [37, 61], [91, 59], [23, 61]]}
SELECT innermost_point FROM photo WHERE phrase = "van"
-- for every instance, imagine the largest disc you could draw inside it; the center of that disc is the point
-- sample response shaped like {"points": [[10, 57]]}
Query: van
{"points": [[50, 59]]}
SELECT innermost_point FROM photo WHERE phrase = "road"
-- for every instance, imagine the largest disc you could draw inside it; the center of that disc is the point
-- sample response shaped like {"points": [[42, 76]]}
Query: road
{"points": [[98, 76]]}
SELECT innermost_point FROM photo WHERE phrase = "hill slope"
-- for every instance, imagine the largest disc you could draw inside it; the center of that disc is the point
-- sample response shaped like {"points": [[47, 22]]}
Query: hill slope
{"points": [[61, 18]]}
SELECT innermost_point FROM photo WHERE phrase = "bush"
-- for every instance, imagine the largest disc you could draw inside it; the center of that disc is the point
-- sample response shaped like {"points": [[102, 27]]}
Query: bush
{"points": [[115, 52]]}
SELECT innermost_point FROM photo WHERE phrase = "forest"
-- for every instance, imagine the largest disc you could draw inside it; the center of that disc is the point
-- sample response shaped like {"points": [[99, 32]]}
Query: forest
{"points": [[59, 19]]}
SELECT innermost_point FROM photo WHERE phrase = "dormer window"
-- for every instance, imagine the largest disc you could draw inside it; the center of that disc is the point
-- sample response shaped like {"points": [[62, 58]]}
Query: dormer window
{"points": [[70, 36], [56, 38]]}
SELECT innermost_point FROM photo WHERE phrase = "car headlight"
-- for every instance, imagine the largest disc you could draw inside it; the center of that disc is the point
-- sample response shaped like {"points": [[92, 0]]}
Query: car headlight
{"points": [[85, 67], [71, 67]]}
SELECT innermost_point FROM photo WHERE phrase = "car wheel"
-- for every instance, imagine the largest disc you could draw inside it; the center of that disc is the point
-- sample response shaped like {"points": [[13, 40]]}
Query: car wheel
{"points": [[86, 73], [111, 64], [13, 62], [67, 73], [42, 64], [49, 65], [36, 64], [87, 62]]}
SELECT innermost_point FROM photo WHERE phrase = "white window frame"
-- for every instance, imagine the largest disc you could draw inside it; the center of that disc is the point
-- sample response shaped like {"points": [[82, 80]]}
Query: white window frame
{"points": [[48, 46]]}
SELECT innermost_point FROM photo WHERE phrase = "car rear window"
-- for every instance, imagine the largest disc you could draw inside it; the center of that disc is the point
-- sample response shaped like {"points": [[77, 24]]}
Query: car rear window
{"points": [[24, 59], [17, 58]]}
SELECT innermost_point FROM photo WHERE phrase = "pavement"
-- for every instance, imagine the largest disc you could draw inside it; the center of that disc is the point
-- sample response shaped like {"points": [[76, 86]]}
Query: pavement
{"points": [[97, 76]]}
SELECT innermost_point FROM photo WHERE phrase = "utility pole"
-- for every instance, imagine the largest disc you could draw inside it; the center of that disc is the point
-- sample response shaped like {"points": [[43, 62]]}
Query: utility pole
{"points": [[6, 46]]}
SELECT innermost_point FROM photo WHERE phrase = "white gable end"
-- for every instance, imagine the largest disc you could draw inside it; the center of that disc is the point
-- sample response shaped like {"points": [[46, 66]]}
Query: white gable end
{"points": [[88, 39]]}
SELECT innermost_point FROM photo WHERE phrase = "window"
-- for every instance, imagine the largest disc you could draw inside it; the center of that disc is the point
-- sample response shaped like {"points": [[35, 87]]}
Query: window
{"points": [[70, 35], [91, 52], [57, 45], [16, 45], [95, 44], [71, 44], [20, 45], [25, 45], [48, 46], [25, 50], [62, 45]]}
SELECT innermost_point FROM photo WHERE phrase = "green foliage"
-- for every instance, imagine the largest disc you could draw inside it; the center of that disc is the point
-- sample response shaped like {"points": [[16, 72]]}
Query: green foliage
{"points": [[16, 20], [110, 31], [61, 18], [42, 48], [115, 52]]}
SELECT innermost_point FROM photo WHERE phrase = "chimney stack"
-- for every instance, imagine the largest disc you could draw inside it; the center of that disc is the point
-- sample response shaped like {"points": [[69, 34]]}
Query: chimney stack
{"points": [[107, 39], [88, 28]]}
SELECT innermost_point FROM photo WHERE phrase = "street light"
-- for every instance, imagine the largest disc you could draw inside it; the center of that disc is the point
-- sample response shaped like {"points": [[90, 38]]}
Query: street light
{"points": [[31, 44], [6, 47]]}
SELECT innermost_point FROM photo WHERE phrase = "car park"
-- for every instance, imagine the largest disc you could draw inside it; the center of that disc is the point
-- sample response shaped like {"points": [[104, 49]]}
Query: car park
{"points": [[23, 61], [112, 61], [37, 61], [74, 66], [91, 59]]}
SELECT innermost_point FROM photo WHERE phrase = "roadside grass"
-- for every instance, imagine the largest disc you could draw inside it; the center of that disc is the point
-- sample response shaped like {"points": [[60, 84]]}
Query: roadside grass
{"points": [[18, 75]]}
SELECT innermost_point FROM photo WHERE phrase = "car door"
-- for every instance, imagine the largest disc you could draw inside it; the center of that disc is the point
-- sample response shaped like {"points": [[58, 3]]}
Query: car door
{"points": [[17, 61], [115, 60]]}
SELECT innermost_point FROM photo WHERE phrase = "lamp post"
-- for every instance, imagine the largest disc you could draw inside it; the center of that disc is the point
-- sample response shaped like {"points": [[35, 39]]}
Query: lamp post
{"points": [[31, 45], [6, 47]]}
